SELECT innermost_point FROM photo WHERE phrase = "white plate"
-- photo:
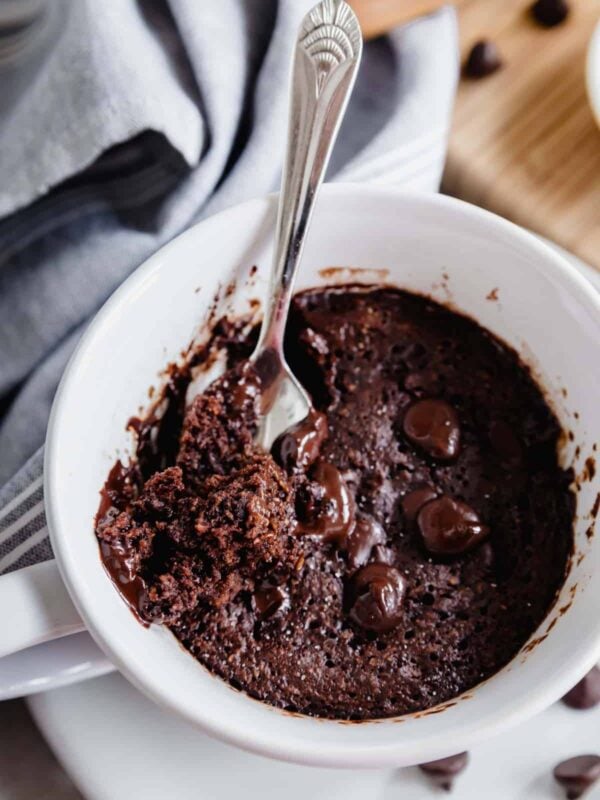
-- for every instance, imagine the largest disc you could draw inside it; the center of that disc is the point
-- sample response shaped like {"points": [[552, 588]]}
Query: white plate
{"points": [[116, 745]]}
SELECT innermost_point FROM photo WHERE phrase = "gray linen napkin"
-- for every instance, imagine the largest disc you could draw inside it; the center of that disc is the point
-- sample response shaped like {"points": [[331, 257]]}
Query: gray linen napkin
{"points": [[141, 119]]}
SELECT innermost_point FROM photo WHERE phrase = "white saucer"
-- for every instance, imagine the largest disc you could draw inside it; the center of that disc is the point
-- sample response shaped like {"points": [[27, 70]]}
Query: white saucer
{"points": [[116, 745]]}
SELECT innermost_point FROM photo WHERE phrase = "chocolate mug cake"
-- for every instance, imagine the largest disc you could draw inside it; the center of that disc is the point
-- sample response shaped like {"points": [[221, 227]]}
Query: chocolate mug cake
{"points": [[392, 551]]}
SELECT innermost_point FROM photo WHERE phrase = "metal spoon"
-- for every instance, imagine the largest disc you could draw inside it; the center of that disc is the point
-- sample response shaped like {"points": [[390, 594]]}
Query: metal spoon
{"points": [[326, 60]]}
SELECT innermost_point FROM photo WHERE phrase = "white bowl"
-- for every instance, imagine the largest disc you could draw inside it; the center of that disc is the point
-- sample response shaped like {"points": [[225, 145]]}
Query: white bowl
{"points": [[432, 244]]}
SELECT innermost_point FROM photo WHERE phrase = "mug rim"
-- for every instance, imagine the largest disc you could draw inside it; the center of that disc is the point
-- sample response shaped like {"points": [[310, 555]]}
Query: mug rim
{"points": [[539, 697]]}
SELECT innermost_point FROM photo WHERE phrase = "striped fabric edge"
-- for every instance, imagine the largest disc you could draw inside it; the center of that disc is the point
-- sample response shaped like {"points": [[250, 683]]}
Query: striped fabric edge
{"points": [[23, 531]]}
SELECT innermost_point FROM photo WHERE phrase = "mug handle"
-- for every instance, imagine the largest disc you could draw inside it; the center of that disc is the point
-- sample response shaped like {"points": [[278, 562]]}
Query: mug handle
{"points": [[36, 608], [51, 665]]}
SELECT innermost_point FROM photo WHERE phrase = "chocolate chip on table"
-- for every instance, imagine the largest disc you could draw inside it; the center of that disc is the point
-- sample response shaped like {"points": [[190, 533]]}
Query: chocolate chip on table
{"points": [[376, 595], [577, 774], [586, 693], [550, 12], [483, 60], [450, 527], [433, 426], [443, 771]]}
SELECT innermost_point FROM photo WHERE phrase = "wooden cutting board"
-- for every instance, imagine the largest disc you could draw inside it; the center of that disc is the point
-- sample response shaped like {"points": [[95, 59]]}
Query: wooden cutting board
{"points": [[524, 142]]}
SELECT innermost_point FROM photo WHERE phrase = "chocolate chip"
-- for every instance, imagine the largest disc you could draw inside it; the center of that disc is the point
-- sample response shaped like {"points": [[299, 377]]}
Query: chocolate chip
{"points": [[376, 595], [444, 771], [577, 774], [366, 533], [415, 500], [269, 599], [586, 693], [450, 527], [484, 59], [433, 426], [550, 12]]}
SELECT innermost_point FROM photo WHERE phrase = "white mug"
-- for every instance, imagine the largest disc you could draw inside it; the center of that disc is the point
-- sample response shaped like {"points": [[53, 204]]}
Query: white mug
{"points": [[512, 284]]}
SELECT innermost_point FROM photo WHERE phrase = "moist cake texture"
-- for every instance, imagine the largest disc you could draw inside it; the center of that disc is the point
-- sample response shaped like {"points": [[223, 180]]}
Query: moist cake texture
{"points": [[394, 551]]}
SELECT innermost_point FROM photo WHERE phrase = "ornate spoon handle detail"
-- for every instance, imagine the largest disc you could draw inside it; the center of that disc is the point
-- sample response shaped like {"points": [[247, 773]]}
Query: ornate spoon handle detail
{"points": [[326, 60]]}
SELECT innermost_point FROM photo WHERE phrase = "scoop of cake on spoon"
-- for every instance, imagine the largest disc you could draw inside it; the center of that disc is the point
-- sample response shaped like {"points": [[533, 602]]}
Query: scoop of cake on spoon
{"points": [[326, 59]]}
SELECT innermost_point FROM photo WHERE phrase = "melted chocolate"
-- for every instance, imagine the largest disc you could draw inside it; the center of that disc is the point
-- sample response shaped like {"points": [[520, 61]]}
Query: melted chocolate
{"points": [[299, 446], [121, 567], [120, 486], [333, 518]]}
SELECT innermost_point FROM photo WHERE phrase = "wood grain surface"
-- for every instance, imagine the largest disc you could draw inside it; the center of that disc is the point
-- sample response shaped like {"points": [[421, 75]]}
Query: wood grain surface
{"points": [[524, 142]]}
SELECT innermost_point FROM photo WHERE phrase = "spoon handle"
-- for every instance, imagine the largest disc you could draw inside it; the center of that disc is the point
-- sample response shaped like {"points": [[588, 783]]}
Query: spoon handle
{"points": [[326, 60]]}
